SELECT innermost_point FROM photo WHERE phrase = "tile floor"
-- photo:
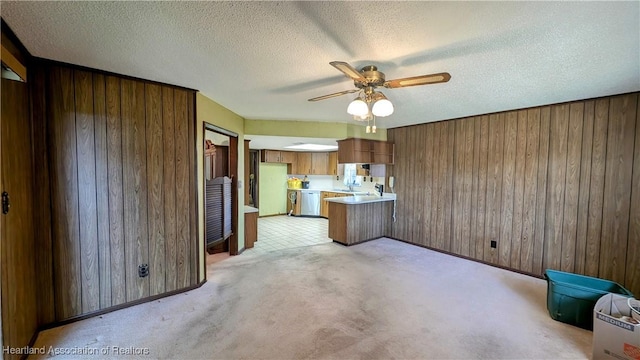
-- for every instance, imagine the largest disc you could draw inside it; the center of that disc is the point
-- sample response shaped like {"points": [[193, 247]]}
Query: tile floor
{"points": [[284, 232]]}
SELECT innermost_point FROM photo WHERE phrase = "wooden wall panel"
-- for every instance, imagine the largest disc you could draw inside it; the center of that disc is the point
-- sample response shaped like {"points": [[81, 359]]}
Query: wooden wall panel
{"points": [[508, 182], [493, 214], [64, 194], [585, 181], [483, 170], [116, 199], [42, 198], [632, 280], [169, 156], [123, 188], [596, 192], [572, 186], [155, 186], [102, 189], [530, 187], [182, 193], [467, 185], [554, 186], [436, 177], [473, 215], [428, 186], [193, 190], [518, 191], [458, 188], [617, 189], [87, 193], [541, 197]]}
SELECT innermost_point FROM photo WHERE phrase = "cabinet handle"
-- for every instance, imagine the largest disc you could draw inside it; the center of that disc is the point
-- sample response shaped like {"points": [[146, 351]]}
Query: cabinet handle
{"points": [[6, 203]]}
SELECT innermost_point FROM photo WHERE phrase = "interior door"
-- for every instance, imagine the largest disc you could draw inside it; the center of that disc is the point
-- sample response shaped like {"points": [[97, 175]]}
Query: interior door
{"points": [[17, 252]]}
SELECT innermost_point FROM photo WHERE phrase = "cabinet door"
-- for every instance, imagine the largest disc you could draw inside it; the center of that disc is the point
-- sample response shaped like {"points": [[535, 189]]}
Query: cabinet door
{"points": [[303, 163], [382, 152], [333, 163], [354, 151], [324, 206], [287, 157], [319, 163], [272, 156]]}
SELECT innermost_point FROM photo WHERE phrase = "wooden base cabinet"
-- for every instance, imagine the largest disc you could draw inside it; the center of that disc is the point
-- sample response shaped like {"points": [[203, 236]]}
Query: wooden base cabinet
{"points": [[324, 205], [355, 223], [293, 206], [250, 227]]}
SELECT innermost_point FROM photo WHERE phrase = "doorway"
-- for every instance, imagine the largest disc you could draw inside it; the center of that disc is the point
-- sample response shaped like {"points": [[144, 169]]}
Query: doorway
{"points": [[220, 194]]}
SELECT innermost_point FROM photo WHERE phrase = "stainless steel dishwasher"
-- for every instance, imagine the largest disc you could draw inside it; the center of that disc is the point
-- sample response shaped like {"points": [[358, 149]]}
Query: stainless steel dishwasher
{"points": [[310, 205]]}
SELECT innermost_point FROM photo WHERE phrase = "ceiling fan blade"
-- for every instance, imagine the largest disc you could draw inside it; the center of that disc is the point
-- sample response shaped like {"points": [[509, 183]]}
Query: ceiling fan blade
{"points": [[334, 95], [348, 70], [418, 80]]}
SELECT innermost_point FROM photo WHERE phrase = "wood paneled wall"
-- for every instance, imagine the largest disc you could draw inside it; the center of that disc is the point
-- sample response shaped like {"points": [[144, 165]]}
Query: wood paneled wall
{"points": [[121, 168], [555, 186]]}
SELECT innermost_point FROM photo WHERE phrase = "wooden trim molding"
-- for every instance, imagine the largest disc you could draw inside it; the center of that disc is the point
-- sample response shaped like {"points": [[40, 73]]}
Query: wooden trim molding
{"points": [[13, 63]]}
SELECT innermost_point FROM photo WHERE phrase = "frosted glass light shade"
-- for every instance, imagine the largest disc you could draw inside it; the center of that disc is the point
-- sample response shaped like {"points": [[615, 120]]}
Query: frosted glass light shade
{"points": [[382, 107], [358, 107]]}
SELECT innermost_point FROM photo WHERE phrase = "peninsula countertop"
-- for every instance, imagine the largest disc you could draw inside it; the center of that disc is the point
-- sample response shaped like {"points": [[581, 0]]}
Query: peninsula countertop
{"points": [[362, 199]]}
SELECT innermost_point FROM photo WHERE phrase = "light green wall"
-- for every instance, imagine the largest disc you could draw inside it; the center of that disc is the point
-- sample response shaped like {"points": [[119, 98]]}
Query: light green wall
{"points": [[209, 111], [272, 193], [315, 129]]}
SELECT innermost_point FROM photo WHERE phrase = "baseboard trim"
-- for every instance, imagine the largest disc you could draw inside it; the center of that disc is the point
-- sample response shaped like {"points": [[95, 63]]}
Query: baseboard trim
{"points": [[118, 307], [469, 258]]}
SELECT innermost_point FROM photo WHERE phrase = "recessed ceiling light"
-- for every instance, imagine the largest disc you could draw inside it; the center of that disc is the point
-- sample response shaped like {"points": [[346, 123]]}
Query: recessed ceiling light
{"points": [[312, 147]]}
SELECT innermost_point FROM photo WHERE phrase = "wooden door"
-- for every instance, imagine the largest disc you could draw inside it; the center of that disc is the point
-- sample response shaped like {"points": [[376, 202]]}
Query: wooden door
{"points": [[17, 252], [271, 156], [333, 163], [320, 163], [324, 205], [303, 163], [287, 157]]}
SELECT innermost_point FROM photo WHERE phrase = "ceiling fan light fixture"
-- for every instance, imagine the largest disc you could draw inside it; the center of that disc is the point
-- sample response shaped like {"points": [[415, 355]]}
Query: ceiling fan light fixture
{"points": [[382, 106], [358, 107]]}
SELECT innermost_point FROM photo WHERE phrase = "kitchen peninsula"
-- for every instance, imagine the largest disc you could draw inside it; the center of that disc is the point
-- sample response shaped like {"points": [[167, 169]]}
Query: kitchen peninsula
{"points": [[356, 219]]}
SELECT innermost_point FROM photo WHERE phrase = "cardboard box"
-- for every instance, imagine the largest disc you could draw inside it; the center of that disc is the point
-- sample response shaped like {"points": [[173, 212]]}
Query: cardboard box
{"points": [[612, 337]]}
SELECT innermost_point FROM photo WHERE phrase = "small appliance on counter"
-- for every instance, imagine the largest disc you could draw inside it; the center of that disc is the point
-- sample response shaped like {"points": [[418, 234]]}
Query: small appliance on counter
{"points": [[379, 189], [305, 182]]}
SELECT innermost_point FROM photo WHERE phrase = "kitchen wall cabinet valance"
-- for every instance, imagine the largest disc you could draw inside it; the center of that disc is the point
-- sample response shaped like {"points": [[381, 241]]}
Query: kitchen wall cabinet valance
{"points": [[363, 151]]}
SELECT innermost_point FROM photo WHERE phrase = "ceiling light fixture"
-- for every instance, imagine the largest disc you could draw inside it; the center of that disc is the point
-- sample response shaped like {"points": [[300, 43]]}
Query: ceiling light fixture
{"points": [[368, 105], [312, 147]]}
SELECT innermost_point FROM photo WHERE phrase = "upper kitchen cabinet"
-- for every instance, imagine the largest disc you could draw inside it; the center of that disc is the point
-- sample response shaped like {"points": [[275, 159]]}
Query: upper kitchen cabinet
{"points": [[362, 151], [275, 156], [315, 163], [302, 166], [320, 163], [333, 163], [382, 152]]}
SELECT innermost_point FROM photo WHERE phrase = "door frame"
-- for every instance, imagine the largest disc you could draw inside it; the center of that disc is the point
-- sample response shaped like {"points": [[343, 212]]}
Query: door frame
{"points": [[233, 174]]}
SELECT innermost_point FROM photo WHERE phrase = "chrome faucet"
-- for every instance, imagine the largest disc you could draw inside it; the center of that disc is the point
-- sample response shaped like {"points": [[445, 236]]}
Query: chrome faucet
{"points": [[350, 186]]}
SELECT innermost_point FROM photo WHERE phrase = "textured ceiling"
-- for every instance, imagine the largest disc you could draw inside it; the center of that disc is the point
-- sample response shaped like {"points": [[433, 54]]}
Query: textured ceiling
{"points": [[263, 60]]}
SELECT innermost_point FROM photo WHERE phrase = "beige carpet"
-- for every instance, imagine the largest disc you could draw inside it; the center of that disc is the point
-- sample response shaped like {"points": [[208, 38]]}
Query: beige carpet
{"points": [[379, 300]]}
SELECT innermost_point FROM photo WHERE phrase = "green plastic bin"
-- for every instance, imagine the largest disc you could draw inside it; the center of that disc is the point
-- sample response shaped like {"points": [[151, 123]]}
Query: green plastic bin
{"points": [[572, 297]]}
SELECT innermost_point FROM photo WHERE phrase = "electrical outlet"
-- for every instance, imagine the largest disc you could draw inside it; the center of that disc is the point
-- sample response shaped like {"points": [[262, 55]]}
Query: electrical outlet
{"points": [[494, 244], [143, 270]]}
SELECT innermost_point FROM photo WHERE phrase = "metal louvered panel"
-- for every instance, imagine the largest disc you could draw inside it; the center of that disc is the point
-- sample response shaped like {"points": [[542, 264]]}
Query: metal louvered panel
{"points": [[218, 210]]}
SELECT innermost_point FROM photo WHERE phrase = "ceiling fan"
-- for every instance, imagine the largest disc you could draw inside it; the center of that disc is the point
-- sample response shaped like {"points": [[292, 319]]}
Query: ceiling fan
{"points": [[368, 78]]}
